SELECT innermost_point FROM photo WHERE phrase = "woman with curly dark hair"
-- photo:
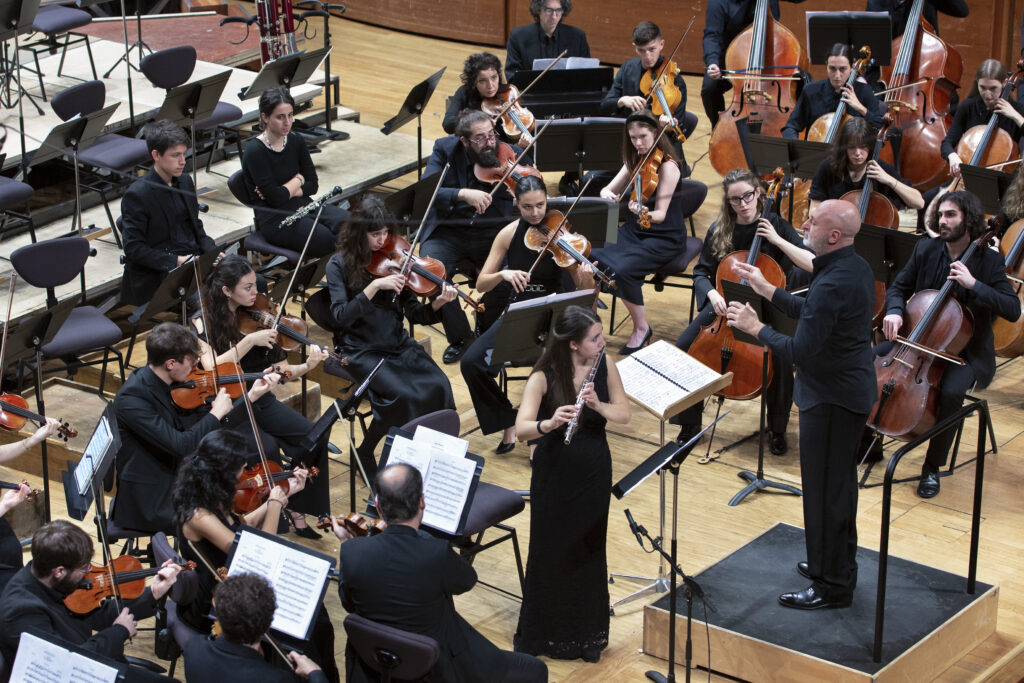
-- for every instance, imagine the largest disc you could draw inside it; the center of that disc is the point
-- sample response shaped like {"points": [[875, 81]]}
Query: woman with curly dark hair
{"points": [[481, 79], [231, 285]]}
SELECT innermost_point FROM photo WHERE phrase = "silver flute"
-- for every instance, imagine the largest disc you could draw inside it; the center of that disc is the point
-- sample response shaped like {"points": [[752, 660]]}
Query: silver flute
{"points": [[574, 423], [309, 208]]}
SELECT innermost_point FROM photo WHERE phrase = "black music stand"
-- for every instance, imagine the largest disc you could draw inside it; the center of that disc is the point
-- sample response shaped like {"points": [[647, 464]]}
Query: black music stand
{"points": [[410, 203], [316, 8], [595, 218], [413, 107], [290, 71], [526, 326], [734, 291], [551, 95], [799, 158], [193, 102], [16, 16], [988, 185], [578, 145], [885, 250], [83, 481], [825, 29]]}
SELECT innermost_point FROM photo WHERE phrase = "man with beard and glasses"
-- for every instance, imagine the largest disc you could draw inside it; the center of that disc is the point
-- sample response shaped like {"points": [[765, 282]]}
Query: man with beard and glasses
{"points": [[34, 598], [466, 217], [980, 285]]}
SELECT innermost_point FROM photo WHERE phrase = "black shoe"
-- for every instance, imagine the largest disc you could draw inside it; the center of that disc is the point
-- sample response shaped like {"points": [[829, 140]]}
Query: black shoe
{"points": [[305, 532], [928, 487], [591, 654], [504, 448], [777, 443], [803, 570], [627, 350], [809, 598], [455, 351], [687, 432]]}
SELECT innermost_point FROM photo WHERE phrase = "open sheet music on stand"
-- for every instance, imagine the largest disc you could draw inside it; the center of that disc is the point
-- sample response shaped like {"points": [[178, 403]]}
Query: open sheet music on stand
{"points": [[450, 474], [52, 660], [664, 380]]}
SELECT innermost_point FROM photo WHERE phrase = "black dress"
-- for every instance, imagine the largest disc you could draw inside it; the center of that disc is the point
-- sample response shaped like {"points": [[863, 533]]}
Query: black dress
{"points": [[11, 559], [565, 604]]}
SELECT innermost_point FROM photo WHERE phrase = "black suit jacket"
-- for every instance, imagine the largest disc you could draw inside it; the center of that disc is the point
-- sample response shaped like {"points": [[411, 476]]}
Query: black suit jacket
{"points": [[524, 46], [406, 579], [220, 661], [155, 436], [147, 212]]}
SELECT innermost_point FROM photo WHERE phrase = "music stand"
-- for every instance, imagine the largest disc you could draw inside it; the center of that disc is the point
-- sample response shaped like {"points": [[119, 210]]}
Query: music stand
{"points": [[410, 203], [526, 325], [552, 95], [16, 16], [290, 70], [825, 29], [988, 185], [193, 102], [885, 250], [595, 218], [575, 145], [41, 655], [83, 481], [413, 107], [799, 158], [734, 291]]}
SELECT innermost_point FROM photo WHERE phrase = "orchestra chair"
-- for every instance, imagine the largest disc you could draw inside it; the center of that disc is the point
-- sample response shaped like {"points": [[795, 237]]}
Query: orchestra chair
{"points": [[55, 22], [491, 505], [174, 66], [254, 241], [172, 633], [116, 534], [694, 193], [118, 155], [393, 653], [14, 193], [47, 265]]}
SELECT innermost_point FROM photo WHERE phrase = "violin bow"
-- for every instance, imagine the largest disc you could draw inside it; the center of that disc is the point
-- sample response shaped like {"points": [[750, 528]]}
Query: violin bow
{"points": [[248, 409], [640, 166], [515, 162], [298, 264], [668, 60], [206, 323], [7, 319], [511, 102], [404, 270], [561, 224]]}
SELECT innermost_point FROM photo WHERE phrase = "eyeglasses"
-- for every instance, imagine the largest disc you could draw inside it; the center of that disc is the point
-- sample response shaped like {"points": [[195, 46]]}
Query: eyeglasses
{"points": [[481, 138], [742, 199], [553, 10]]}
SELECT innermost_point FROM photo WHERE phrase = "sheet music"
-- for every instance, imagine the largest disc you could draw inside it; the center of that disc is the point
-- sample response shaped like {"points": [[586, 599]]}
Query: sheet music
{"points": [[446, 480], [93, 456], [440, 442], [659, 375], [297, 577], [40, 661]]}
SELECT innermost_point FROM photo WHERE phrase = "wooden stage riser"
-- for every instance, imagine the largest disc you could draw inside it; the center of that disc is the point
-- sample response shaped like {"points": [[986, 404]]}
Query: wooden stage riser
{"points": [[750, 659]]}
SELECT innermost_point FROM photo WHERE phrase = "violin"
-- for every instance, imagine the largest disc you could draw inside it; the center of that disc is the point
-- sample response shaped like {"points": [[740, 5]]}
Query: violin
{"points": [[516, 120], [909, 375], [645, 184], [356, 524], [665, 95], [31, 497], [508, 171], [292, 331], [14, 413], [129, 582], [567, 248], [425, 275], [715, 345], [1009, 336], [255, 482], [203, 385]]}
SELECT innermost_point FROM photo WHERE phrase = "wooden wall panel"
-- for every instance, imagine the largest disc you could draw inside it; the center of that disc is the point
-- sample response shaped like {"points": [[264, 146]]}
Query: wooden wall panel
{"points": [[472, 21]]}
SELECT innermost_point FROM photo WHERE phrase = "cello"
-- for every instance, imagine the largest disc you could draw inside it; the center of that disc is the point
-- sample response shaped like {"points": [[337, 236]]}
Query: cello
{"points": [[768, 57], [919, 86], [1009, 336], [715, 345]]}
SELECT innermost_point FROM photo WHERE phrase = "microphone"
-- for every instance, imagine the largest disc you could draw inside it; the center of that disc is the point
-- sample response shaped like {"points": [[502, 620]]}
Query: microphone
{"points": [[635, 528]]}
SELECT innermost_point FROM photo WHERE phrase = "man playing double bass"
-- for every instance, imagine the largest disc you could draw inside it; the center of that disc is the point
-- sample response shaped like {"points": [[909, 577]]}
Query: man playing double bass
{"points": [[981, 286]]}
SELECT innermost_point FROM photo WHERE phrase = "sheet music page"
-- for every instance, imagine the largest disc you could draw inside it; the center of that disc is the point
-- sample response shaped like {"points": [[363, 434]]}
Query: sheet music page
{"points": [[678, 365], [408, 452], [446, 488], [40, 661], [297, 578], [439, 442], [94, 451], [680, 375]]}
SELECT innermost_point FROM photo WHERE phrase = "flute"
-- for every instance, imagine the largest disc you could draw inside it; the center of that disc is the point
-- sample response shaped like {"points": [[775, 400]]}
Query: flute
{"points": [[570, 429]]}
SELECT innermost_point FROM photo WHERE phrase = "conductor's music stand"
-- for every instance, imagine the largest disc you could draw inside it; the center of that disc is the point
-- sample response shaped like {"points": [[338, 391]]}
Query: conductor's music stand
{"points": [[988, 185], [734, 291], [825, 29], [193, 102], [290, 71], [413, 107], [576, 145]]}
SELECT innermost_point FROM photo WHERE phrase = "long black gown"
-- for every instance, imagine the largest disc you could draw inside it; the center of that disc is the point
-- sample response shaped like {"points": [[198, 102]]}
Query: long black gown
{"points": [[565, 604]]}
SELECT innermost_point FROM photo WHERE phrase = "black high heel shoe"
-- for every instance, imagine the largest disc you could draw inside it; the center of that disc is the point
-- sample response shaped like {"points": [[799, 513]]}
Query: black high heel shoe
{"points": [[626, 350], [305, 532]]}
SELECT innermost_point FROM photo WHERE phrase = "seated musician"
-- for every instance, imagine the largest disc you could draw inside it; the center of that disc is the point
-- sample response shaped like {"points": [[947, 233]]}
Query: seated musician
{"points": [[430, 573], [641, 251], [34, 599], [281, 178], [229, 288], [466, 216], [156, 434], [371, 313], [509, 268], [823, 97], [723, 21], [244, 606], [481, 80], [850, 164], [546, 38], [625, 98], [979, 285], [160, 216], [740, 219]]}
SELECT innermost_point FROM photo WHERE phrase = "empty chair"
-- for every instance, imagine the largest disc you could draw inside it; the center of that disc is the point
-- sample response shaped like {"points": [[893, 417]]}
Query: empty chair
{"points": [[14, 193], [56, 22]]}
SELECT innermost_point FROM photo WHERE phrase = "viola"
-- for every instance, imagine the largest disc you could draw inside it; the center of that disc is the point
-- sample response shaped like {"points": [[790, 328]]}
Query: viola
{"points": [[664, 93], [31, 494], [425, 275], [645, 184], [516, 120], [356, 524], [507, 171], [567, 248], [1009, 336], [291, 331], [253, 487], [14, 413], [715, 345], [203, 385], [129, 582]]}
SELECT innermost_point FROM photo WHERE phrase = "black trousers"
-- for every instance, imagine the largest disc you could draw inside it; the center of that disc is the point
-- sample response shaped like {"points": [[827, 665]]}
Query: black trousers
{"points": [[712, 94], [524, 668], [325, 233], [493, 409], [829, 438]]}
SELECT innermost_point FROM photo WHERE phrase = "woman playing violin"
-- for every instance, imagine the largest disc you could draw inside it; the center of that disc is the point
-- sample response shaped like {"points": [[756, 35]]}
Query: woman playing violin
{"points": [[371, 313], [506, 272], [230, 286], [641, 251], [481, 80]]}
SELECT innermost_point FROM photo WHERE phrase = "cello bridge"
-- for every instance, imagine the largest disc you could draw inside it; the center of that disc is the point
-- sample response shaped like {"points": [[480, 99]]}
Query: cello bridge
{"points": [[753, 95], [900, 360], [896, 106]]}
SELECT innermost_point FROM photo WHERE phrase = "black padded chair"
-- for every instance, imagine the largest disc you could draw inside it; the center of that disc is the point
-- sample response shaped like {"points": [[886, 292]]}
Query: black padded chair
{"points": [[15, 193], [116, 534], [393, 653], [56, 22], [175, 634], [254, 241]]}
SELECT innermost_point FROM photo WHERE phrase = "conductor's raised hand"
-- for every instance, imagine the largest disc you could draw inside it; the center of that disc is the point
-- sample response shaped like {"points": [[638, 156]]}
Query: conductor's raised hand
{"points": [[755, 278]]}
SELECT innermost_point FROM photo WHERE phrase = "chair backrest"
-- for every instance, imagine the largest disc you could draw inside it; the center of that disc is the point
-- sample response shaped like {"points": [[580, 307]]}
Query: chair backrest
{"points": [[171, 67], [445, 421], [318, 308], [79, 100], [184, 589], [404, 655], [236, 183], [688, 124], [51, 263]]}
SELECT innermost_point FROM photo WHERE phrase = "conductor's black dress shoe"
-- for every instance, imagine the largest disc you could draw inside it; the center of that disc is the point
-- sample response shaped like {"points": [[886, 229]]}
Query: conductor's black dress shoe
{"points": [[804, 570], [810, 598]]}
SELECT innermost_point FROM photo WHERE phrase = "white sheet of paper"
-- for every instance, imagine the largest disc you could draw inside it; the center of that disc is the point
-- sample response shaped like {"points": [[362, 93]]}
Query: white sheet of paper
{"points": [[440, 442], [446, 488], [408, 452], [97, 445], [40, 661]]}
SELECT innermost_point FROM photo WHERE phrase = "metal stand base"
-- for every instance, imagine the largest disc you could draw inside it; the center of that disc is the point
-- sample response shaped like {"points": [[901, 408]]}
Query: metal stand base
{"points": [[759, 484], [654, 584]]}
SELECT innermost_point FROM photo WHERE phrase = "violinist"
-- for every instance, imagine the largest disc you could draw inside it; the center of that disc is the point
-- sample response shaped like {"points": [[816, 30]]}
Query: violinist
{"points": [[641, 251], [740, 219], [203, 493], [156, 434], [34, 599], [371, 313], [481, 80], [546, 38], [850, 163], [981, 287], [466, 216], [823, 97], [280, 178], [231, 285], [625, 97], [507, 268]]}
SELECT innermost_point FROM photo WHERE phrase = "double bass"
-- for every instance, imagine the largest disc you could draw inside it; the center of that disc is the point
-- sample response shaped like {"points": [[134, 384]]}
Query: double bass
{"points": [[1009, 336], [768, 57]]}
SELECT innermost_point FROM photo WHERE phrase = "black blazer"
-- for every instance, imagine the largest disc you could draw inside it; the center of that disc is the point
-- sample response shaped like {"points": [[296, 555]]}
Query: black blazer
{"points": [[219, 661], [146, 216], [524, 45], [406, 579]]}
